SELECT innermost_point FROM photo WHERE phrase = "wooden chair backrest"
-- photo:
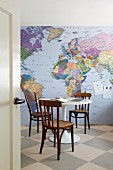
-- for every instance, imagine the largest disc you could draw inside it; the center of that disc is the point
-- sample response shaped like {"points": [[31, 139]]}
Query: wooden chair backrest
{"points": [[31, 101], [84, 96], [50, 108]]}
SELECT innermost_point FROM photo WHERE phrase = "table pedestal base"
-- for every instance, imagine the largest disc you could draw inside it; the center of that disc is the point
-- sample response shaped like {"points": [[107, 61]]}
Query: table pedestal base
{"points": [[66, 138]]}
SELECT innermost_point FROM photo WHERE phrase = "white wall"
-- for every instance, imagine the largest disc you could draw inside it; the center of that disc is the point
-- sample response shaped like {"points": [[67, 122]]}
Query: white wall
{"points": [[67, 12]]}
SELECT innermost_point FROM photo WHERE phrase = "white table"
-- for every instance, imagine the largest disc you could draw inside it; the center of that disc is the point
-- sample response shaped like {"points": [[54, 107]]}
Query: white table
{"points": [[66, 137]]}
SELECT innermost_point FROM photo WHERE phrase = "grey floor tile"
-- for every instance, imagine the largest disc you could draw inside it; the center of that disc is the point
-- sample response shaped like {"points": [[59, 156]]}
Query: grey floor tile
{"points": [[25, 132], [26, 161], [66, 162], [105, 160], [94, 132], [26, 143], [100, 144]]}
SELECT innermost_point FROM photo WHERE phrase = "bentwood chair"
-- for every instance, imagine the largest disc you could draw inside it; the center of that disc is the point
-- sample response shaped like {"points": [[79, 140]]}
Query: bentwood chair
{"points": [[56, 125], [81, 110], [33, 108]]}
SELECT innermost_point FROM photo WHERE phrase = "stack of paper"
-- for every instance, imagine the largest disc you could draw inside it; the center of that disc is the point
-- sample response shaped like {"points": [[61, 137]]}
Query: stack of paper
{"points": [[62, 100]]}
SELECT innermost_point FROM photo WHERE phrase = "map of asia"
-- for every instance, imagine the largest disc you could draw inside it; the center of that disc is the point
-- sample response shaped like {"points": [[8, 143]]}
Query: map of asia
{"points": [[61, 60]]}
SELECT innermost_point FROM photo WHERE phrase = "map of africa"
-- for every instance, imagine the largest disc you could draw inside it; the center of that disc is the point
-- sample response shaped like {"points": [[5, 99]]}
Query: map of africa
{"points": [[59, 61]]}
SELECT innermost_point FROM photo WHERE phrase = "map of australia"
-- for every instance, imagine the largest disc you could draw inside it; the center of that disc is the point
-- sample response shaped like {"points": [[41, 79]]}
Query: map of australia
{"points": [[60, 60]]}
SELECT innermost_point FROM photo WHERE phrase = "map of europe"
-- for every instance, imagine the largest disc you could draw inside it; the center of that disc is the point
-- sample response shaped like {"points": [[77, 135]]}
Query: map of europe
{"points": [[61, 60]]}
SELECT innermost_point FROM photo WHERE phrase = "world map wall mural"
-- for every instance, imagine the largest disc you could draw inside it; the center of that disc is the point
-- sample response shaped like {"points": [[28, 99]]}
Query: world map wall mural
{"points": [[61, 60]]}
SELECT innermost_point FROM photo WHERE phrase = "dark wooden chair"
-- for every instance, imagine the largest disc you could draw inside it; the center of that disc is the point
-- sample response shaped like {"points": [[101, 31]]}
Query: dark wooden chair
{"points": [[81, 110], [33, 108], [56, 125]]}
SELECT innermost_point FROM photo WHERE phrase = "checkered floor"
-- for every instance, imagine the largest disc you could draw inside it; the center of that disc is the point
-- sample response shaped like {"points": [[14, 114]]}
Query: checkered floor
{"points": [[94, 151]]}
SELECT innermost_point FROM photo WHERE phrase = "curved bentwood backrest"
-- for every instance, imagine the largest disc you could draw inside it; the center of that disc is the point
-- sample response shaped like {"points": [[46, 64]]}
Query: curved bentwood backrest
{"points": [[48, 107], [31, 101], [83, 96]]}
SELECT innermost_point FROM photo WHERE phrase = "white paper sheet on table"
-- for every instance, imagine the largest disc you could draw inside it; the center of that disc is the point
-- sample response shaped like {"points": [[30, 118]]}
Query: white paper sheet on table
{"points": [[62, 100], [77, 99]]}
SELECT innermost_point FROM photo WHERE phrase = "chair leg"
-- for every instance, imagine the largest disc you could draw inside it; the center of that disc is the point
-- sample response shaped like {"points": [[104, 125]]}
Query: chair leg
{"points": [[43, 139], [88, 120], [76, 114], [69, 116], [72, 138], [85, 123], [30, 127], [58, 146], [54, 138], [37, 124]]}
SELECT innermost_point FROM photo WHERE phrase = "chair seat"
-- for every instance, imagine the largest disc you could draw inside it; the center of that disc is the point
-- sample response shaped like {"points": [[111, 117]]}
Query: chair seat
{"points": [[38, 114], [78, 111], [62, 124]]}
